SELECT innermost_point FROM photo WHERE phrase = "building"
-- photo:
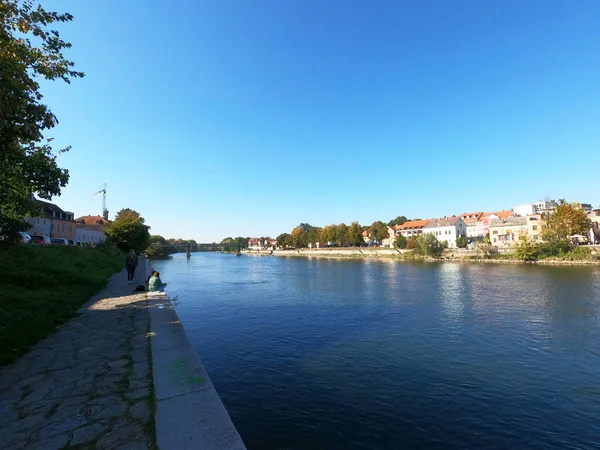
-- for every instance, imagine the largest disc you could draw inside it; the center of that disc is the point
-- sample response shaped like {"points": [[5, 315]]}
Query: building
{"points": [[412, 228], [540, 207], [258, 244], [475, 232], [506, 232], [482, 227], [52, 221], [90, 229], [535, 224], [447, 229]]}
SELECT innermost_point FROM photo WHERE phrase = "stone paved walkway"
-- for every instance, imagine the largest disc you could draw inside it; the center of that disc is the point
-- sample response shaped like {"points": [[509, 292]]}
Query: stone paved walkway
{"points": [[89, 384]]}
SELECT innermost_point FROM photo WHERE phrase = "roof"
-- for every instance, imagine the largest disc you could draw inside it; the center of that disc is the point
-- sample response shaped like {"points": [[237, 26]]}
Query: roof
{"points": [[471, 218], [514, 221], [47, 206], [443, 222], [92, 220], [500, 214], [365, 233], [413, 225]]}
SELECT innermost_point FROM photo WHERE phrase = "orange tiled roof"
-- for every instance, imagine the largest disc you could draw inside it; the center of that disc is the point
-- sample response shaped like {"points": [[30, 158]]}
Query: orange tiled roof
{"points": [[471, 218], [413, 224], [92, 220]]}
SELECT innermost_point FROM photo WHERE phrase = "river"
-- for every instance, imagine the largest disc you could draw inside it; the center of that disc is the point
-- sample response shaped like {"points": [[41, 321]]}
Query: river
{"points": [[311, 353]]}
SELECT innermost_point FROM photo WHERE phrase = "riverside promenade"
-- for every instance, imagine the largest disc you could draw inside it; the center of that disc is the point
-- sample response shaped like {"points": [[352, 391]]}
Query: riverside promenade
{"points": [[121, 374], [88, 385]]}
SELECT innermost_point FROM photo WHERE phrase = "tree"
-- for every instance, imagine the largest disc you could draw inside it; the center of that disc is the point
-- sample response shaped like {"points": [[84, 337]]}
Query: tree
{"points": [[129, 233], [311, 236], [329, 234], [400, 220], [428, 245], [299, 237], [567, 220], [461, 242], [284, 240], [355, 235], [341, 234], [486, 239], [129, 215], [400, 242], [411, 243], [28, 51], [306, 227], [378, 231]]}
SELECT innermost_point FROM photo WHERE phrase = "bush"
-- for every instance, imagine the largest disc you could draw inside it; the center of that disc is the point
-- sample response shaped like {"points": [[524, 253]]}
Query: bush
{"points": [[400, 242], [487, 250], [461, 242], [428, 245], [411, 243]]}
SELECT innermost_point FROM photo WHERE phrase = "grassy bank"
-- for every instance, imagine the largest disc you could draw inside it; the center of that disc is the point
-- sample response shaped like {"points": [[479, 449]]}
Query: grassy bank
{"points": [[43, 287]]}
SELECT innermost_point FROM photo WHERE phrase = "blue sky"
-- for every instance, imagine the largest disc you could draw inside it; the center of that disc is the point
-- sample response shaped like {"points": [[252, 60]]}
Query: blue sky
{"points": [[230, 118]]}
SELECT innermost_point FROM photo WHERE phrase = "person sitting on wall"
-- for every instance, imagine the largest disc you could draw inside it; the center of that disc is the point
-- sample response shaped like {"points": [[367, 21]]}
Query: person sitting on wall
{"points": [[155, 283]]}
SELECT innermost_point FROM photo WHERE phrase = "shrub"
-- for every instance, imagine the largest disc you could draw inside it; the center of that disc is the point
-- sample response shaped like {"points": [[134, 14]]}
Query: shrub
{"points": [[400, 242], [461, 242], [428, 245], [487, 250], [411, 243]]}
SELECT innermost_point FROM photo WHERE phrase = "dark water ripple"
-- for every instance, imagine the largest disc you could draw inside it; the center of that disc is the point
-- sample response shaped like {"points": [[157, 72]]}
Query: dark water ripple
{"points": [[338, 354]]}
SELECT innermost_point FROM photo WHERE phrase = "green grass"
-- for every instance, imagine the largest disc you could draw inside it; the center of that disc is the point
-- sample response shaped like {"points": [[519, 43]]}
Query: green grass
{"points": [[42, 287]]}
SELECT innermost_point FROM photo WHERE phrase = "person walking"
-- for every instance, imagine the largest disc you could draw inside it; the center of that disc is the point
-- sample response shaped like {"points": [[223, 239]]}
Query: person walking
{"points": [[131, 263]]}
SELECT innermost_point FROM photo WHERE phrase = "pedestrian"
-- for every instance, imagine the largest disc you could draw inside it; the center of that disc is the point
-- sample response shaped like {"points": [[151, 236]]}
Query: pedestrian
{"points": [[130, 264], [155, 283]]}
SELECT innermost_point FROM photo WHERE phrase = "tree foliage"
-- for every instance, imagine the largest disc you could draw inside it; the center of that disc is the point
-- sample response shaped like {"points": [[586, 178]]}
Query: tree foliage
{"points": [[355, 237], [567, 220], [461, 242], [284, 240], [400, 242], [29, 50], [428, 245], [341, 234], [128, 231], [378, 231], [329, 234], [299, 237], [400, 220]]}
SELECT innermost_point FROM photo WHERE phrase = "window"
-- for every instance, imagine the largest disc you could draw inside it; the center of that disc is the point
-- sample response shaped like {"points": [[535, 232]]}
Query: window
{"points": [[534, 228], [495, 232]]}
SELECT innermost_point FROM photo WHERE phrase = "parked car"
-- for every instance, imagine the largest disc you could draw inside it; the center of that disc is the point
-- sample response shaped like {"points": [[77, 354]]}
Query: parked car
{"points": [[25, 238], [71, 242], [39, 239], [59, 241]]}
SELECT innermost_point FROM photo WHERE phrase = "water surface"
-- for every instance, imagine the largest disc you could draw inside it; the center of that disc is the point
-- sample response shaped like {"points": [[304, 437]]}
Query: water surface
{"points": [[361, 354]]}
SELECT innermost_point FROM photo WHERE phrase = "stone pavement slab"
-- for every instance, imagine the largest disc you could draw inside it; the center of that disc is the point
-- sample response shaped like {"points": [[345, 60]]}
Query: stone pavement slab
{"points": [[89, 384]]}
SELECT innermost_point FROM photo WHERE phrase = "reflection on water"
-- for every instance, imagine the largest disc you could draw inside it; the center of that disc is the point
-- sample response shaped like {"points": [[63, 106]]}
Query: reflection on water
{"points": [[363, 354]]}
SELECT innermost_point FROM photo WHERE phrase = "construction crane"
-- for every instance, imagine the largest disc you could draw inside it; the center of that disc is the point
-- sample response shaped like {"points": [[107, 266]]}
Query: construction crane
{"points": [[103, 192]]}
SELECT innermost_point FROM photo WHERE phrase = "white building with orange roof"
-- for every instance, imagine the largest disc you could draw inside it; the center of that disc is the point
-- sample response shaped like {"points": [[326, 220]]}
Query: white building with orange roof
{"points": [[411, 228], [447, 229]]}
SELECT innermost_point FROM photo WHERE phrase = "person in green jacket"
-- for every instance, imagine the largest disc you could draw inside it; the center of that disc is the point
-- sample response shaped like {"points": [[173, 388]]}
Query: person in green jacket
{"points": [[155, 283]]}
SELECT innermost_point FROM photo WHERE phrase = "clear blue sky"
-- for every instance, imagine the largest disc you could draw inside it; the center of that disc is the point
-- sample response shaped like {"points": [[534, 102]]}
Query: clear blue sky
{"points": [[227, 118]]}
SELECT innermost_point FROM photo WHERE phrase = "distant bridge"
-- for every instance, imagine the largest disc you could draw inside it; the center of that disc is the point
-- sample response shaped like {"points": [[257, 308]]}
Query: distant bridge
{"points": [[198, 247]]}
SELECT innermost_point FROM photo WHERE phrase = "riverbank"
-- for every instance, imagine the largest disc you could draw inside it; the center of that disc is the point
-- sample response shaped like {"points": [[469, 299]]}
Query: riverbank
{"points": [[42, 288], [449, 255], [89, 384]]}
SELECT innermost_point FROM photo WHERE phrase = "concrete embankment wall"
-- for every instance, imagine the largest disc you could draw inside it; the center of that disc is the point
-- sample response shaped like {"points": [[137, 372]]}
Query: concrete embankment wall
{"points": [[189, 412], [450, 255], [340, 252]]}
